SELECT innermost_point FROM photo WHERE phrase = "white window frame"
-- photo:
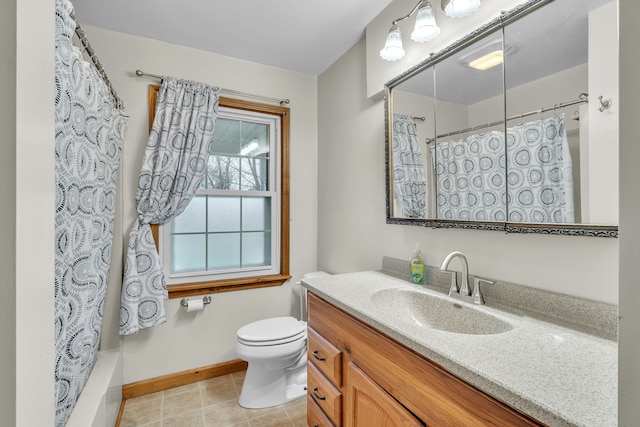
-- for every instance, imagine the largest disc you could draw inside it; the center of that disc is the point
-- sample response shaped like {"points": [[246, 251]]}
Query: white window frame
{"points": [[273, 191]]}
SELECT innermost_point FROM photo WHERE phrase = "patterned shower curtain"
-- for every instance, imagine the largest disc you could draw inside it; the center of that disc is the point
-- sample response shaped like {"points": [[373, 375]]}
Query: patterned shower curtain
{"points": [[88, 141], [471, 174], [540, 172], [409, 185], [174, 164]]}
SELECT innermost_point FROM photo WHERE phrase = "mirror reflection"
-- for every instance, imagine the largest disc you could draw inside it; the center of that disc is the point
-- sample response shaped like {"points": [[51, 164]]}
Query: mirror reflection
{"points": [[518, 127]]}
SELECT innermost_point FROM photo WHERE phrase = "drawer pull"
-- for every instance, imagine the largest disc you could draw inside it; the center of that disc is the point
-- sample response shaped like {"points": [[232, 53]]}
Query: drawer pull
{"points": [[317, 356], [317, 396]]}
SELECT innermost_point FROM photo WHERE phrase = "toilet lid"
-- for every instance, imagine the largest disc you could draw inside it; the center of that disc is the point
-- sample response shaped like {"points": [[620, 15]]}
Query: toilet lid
{"points": [[274, 329]]}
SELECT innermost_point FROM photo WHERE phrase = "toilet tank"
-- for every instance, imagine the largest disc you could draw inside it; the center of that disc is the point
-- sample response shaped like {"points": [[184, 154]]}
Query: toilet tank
{"points": [[303, 292]]}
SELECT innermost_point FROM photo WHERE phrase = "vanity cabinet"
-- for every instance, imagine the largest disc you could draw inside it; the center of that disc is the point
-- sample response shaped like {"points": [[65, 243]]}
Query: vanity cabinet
{"points": [[360, 377]]}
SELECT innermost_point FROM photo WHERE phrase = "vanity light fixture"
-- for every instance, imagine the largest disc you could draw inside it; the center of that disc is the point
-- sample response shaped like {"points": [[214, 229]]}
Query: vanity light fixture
{"points": [[487, 61], [425, 29], [459, 8]]}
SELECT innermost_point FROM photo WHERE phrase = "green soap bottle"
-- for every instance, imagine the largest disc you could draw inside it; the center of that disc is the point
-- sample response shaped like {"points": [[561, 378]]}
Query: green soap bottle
{"points": [[417, 267]]}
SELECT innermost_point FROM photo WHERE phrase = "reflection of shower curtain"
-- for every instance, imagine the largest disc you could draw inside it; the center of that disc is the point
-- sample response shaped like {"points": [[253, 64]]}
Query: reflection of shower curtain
{"points": [[470, 175], [540, 173], [88, 139], [409, 185]]}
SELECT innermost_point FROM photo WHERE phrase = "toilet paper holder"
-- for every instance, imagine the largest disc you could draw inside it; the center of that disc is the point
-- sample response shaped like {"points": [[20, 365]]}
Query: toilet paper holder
{"points": [[205, 299]]}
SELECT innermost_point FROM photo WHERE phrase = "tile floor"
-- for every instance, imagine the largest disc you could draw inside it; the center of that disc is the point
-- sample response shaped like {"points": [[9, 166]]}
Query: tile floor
{"points": [[208, 403]]}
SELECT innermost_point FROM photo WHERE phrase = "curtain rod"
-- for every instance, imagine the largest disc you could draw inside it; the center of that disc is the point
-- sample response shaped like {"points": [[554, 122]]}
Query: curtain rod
{"points": [[141, 73], [583, 97], [82, 36]]}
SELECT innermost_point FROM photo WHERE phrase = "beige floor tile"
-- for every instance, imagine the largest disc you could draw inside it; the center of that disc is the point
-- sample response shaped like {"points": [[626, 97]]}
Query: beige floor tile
{"points": [[181, 403], [238, 378], [217, 391], [191, 419], [138, 412], [225, 414], [297, 411], [277, 418], [209, 403], [181, 389]]}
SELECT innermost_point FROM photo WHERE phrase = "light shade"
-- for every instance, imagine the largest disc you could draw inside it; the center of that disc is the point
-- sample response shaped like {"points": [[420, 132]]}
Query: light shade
{"points": [[460, 8], [426, 27], [393, 50]]}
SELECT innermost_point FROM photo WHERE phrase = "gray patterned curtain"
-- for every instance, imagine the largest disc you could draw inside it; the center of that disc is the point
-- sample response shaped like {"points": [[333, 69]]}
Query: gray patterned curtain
{"points": [[174, 164], [88, 141], [409, 184]]}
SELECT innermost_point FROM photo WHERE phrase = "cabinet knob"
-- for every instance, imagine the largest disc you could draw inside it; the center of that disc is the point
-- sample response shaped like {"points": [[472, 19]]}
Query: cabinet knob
{"points": [[317, 396], [317, 356]]}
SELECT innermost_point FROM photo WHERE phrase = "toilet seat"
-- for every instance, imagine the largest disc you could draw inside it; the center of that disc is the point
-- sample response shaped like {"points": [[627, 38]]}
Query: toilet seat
{"points": [[273, 331]]}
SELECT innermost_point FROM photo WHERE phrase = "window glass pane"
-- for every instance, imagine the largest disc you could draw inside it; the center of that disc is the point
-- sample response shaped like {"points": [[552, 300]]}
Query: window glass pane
{"points": [[223, 173], [226, 138], [256, 249], [188, 253], [224, 214], [224, 251], [255, 174], [192, 220], [255, 140], [256, 213]]}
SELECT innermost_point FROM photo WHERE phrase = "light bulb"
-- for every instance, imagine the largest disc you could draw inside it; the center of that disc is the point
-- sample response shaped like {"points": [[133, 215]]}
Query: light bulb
{"points": [[393, 50], [426, 27], [461, 8]]}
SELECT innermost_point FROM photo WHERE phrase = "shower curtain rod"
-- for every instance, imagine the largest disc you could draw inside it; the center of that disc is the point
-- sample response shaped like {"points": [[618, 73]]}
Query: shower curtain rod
{"points": [[582, 98], [82, 36], [141, 73]]}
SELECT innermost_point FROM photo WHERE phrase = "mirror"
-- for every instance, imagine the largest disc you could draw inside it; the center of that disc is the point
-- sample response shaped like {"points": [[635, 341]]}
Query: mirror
{"points": [[527, 144]]}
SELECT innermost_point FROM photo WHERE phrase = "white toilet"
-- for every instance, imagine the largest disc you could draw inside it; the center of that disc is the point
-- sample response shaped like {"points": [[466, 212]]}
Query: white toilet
{"points": [[276, 350]]}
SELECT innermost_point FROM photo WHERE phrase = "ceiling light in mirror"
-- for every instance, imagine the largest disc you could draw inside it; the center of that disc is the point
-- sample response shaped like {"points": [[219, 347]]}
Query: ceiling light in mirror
{"points": [[487, 61]]}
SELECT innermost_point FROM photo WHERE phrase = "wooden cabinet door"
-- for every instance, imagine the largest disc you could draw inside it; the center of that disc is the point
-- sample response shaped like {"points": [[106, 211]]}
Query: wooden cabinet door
{"points": [[368, 405]]}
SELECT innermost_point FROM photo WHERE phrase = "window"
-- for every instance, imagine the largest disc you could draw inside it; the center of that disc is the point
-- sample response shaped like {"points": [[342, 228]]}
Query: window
{"points": [[235, 232]]}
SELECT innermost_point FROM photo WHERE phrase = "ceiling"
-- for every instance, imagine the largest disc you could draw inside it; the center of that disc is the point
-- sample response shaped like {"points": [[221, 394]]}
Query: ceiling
{"points": [[298, 35]]}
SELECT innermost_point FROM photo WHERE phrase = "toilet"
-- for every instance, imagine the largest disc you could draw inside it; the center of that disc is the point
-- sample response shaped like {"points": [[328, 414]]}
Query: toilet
{"points": [[276, 351]]}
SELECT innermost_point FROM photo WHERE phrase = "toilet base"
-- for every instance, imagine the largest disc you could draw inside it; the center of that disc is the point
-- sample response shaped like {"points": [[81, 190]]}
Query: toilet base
{"points": [[264, 387]]}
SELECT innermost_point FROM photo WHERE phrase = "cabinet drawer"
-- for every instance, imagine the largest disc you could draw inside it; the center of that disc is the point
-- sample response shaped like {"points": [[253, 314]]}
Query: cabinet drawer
{"points": [[328, 398], [315, 416], [326, 357]]}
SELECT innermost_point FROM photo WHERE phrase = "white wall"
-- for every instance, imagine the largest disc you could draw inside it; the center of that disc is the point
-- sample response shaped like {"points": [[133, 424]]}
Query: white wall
{"points": [[26, 188], [352, 231], [629, 345], [193, 340]]}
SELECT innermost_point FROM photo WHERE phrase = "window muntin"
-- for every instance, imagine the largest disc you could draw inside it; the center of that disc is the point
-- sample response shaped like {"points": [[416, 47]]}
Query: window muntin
{"points": [[231, 227]]}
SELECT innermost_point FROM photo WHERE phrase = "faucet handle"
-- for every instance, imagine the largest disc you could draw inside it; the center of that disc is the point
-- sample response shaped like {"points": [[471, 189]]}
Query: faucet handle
{"points": [[476, 294], [454, 281]]}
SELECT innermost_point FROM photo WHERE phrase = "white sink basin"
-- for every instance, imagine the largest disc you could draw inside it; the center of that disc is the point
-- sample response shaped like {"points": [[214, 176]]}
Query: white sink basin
{"points": [[441, 313]]}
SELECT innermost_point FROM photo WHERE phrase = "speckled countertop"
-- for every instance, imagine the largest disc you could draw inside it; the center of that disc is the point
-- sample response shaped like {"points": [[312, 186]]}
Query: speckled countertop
{"points": [[558, 375]]}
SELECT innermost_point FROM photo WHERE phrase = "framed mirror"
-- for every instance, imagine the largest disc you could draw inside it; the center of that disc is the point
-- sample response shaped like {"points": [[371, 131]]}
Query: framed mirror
{"points": [[513, 127]]}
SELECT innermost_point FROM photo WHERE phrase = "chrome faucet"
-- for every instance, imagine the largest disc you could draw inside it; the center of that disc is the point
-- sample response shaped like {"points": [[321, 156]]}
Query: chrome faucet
{"points": [[462, 292]]}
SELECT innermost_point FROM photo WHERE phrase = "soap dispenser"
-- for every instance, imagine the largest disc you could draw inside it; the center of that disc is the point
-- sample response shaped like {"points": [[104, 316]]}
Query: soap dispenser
{"points": [[418, 267]]}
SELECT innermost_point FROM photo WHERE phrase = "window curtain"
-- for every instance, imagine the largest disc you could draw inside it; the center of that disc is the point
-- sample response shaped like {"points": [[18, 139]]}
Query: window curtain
{"points": [[89, 132], [409, 185], [174, 164]]}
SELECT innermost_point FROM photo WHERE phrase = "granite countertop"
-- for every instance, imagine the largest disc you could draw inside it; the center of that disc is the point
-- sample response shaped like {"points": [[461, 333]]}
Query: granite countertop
{"points": [[558, 375]]}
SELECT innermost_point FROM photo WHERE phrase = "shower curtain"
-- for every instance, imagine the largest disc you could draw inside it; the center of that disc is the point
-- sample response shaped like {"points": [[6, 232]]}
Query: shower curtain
{"points": [[471, 174], [409, 185], [89, 132]]}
